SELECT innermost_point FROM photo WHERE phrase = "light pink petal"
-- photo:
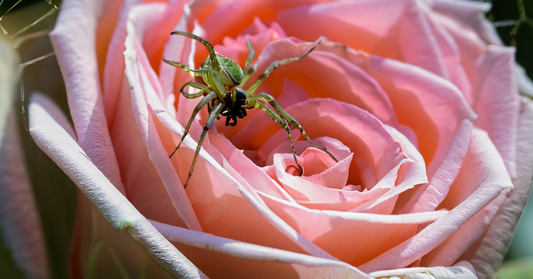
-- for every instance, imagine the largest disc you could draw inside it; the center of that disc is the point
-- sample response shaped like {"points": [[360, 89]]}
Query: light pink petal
{"points": [[354, 238], [139, 71], [113, 69], [360, 131], [158, 21], [472, 15], [428, 196], [74, 43], [461, 270], [56, 141], [488, 255], [474, 197], [447, 50], [435, 110], [259, 36], [254, 175], [250, 260], [379, 37], [323, 75], [20, 226], [223, 200], [497, 103], [213, 15], [470, 50]]}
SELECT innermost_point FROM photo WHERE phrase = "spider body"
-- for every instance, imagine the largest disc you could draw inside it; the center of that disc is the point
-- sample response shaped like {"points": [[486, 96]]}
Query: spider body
{"points": [[224, 94]]}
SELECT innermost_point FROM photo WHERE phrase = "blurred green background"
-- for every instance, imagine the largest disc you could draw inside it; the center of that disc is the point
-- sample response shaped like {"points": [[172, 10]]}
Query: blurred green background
{"points": [[55, 193]]}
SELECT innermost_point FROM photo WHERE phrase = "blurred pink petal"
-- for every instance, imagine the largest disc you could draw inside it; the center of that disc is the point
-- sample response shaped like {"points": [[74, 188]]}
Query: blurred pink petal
{"points": [[20, 225]]}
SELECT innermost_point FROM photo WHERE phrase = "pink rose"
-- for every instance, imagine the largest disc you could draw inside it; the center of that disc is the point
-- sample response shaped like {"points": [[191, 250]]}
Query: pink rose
{"points": [[417, 100]]}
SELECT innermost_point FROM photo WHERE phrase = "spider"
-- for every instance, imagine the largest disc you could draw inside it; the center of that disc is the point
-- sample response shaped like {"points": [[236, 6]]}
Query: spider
{"points": [[224, 94]]}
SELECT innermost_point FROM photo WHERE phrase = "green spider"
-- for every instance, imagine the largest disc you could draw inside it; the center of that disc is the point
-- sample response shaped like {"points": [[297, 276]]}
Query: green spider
{"points": [[224, 95]]}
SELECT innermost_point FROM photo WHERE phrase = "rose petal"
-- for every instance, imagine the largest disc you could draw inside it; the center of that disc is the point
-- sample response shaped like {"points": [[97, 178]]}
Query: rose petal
{"points": [[380, 36], [497, 103], [461, 270], [20, 225], [304, 265], [489, 254], [363, 235], [55, 141], [74, 42], [157, 167], [482, 180]]}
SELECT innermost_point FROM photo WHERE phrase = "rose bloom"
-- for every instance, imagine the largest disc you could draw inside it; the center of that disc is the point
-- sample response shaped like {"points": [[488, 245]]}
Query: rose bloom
{"points": [[418, 100]]}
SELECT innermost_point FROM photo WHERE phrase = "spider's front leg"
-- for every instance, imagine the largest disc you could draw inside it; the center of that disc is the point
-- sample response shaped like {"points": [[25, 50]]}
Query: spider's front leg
{"points": [[196, 73], [251, 90], [283, 114], [203, 89], [198, 107], [214, 114], [248, 71]]}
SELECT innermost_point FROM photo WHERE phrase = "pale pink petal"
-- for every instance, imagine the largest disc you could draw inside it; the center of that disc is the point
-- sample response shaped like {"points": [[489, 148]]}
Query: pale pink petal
{"points": [[254, 175], [259, 261], [379, 37], [74, 43], [360, 131], [213, 15], [354, 238], [482, 181], [259, 36], [20, 226], [56, 141], [448, 51], [158, 20], [488, 255], [470, 48], [470, 14], [435, 110], [461, 270], [323, 75], [142, 80], [113, 70], [497, 104]]}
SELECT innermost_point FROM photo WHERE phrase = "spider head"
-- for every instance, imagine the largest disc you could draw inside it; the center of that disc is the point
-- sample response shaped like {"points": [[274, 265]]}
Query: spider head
{"points": [[234, 103]]}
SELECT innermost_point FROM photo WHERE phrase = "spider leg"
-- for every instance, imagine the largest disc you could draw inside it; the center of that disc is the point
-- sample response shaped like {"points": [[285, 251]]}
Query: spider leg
{"points": [[207, 126], [214, 61], [203, 88], [193, 72], [248, 71], [283, 124], [267, 98], [199, 106], [251, 90]]}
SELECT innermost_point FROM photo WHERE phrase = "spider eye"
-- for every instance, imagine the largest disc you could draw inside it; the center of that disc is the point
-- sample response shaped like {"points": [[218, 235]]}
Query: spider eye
{"points": [[241, 94]]}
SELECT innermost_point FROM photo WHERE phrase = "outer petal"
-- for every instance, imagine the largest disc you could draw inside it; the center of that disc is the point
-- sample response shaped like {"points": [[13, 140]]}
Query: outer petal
{"points": [[487, 256], [20, 226], [74, 41], [56, 140]]}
